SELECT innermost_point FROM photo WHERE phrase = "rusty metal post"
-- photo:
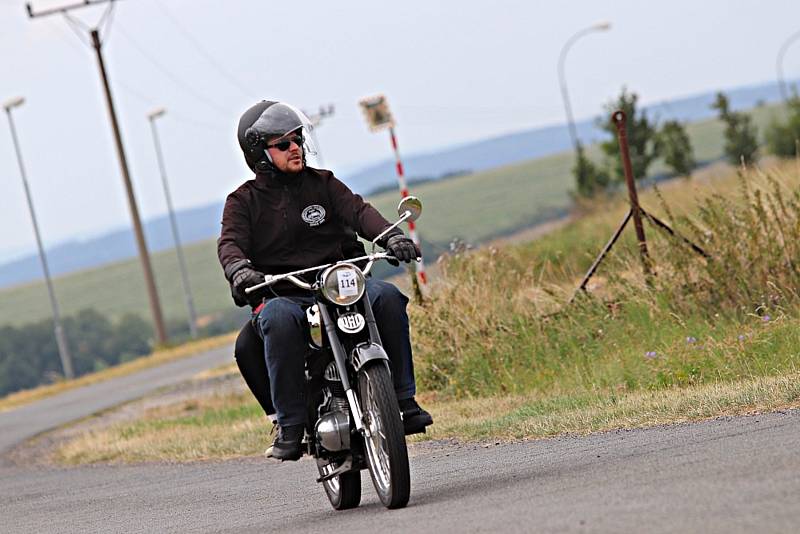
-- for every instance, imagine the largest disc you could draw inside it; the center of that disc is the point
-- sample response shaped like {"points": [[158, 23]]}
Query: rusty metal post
{"points": [[620, 121], [602, 255]]}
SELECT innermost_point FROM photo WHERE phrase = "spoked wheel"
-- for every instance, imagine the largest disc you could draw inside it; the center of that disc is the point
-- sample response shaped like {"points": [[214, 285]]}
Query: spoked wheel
{"points": [[384, 439], [344, 491]]}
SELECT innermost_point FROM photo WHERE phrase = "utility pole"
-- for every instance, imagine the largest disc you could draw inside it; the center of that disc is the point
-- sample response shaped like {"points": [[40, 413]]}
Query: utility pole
{"points": [[144, 256], [61, 340], [316, 120], [187, 288]]}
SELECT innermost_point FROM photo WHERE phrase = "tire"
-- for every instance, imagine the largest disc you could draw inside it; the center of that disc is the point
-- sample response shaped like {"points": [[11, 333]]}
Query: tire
{"points": [[344, 491], [386, 452]]}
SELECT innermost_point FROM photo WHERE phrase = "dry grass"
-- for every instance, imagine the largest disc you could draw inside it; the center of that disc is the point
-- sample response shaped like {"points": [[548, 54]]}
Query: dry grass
{"points": [[223, 370], [157, 358], [490, 326], [212, 427], [524, 417], [222, 427]]}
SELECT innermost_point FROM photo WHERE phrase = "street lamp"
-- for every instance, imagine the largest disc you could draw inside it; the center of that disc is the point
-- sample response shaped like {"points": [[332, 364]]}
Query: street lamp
{"points": [[779, 63], [187, 290], [597, 27], [61, 341]]}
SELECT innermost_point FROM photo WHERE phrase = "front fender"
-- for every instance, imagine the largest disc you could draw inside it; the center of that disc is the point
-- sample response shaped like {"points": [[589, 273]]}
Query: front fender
{"points": [[367, 352]]}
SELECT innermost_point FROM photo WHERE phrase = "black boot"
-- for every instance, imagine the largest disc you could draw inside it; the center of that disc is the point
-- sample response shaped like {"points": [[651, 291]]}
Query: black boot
{"points": [[287, 444], [415, 418]]}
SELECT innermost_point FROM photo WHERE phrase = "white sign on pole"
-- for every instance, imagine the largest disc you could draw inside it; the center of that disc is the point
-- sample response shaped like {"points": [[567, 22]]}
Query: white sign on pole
{"points": [[376, 111]]}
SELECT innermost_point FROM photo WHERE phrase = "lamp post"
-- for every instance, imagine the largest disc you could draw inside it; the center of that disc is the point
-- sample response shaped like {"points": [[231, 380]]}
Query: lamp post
{"points": [[61, 341], [597, 27], [187, 290], [779, 63]]}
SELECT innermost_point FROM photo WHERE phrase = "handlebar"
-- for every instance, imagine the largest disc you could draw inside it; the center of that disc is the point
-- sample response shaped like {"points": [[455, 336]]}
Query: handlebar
{"points": [[271, 279]]}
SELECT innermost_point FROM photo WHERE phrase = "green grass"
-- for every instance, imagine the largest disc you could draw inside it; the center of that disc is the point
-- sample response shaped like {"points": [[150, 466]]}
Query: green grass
{"points": [[475, 208], [118, 288]]}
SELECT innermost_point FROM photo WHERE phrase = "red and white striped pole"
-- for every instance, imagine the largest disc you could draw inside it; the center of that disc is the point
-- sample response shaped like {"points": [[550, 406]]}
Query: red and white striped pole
{"points": [[412, 228]]}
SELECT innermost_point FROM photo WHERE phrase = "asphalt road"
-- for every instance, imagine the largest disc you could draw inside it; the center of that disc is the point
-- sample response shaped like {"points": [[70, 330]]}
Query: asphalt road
{"points": [[733, 475]]}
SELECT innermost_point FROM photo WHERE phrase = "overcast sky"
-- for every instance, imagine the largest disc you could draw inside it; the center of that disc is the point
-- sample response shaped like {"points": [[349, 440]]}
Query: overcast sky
{"points": [[454, 71]]}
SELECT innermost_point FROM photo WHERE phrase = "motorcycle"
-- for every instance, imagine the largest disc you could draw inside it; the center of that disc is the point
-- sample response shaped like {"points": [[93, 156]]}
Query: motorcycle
{"points": [[353, 418]]}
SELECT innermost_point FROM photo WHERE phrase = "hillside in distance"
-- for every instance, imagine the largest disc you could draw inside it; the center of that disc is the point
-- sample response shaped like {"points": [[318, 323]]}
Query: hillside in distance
{"points": [[201, 223], [529, 144], [475, 208]]}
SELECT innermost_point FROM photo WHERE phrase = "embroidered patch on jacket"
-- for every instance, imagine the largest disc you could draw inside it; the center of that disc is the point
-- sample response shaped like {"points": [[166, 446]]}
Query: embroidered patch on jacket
{"points": [[314, 215]]}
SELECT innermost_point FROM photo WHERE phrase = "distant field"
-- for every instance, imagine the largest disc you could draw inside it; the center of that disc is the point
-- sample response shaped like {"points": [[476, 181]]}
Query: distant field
{"points": [[475, 207]]}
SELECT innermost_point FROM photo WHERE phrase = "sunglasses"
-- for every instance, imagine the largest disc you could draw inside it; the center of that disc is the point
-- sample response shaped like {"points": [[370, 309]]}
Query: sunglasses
{"points": [[284, 144]]}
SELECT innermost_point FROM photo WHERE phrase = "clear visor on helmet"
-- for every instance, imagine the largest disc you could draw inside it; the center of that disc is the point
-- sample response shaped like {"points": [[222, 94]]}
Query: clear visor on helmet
{"points": [[280, 120]]}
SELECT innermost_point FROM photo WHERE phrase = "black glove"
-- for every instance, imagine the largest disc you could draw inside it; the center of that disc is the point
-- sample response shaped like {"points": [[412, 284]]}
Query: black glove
{"points": [[246, 277], [403, 248], [241, 275]]}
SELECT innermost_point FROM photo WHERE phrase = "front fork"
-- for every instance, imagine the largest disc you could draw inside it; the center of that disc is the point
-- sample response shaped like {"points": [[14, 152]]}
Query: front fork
{"points": [[340, 358]]}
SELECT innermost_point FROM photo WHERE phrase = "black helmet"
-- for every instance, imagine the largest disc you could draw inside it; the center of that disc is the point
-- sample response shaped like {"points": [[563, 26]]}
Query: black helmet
{"points": [[265, 120], [253, 155]]}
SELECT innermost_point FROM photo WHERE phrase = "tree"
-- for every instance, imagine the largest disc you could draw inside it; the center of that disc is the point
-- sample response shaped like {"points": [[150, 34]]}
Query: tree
{"points": [[589, 180], [782, 137], [740, 134], [675, 147], [641, 136], [132, 338], [29, 355]]}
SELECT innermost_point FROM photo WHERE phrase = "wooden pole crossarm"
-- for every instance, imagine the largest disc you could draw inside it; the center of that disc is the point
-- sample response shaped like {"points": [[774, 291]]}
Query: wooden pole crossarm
{"points": [[63, 9]]}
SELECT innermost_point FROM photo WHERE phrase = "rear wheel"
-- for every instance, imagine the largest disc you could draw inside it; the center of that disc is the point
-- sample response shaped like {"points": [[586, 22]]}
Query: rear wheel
{"points": [[344, 491], [384, 439]]}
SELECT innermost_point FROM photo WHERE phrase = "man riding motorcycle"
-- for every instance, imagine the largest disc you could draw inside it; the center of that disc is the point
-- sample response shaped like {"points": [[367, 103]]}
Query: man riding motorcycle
{"points": [[289, 217]]}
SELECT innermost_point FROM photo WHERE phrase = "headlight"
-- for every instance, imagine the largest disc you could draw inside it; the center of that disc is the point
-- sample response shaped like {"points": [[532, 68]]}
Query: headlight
{"points": [[343, 284]]}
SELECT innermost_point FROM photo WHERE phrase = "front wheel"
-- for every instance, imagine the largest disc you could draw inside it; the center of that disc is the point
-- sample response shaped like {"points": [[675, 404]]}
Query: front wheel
{"points": [[344, 491], [384, 438]]}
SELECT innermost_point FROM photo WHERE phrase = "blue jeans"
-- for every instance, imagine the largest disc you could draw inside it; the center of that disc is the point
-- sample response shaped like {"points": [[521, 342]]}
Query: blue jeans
{"points": [[283, 325]]}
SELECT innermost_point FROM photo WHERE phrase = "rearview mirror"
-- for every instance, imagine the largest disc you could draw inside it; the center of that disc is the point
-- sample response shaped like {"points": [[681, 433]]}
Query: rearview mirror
{"points": [[412, 205]]}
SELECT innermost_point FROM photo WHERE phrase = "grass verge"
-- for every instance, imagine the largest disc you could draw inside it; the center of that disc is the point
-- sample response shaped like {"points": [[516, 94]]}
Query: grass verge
{"points": [[157, 358], [222, 427]]}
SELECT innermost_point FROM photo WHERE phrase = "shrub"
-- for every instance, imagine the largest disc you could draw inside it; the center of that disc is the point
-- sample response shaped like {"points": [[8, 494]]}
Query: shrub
{"points": [[641, 136], [674, 146], [741, 142], [782, 137]]}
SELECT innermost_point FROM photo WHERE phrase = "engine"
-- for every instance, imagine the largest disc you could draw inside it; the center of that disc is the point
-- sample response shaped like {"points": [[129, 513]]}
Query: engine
{"points": [[333, 425]]}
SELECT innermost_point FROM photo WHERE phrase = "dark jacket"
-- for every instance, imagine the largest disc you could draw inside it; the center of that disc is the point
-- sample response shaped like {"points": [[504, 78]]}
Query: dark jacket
{"points": [[284, 223]]}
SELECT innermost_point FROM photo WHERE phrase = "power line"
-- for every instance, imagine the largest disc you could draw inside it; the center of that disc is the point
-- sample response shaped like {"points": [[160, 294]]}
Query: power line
{"points": [[174, 79], [226, 74], [76, 26], [144, 97], [106, 18]]}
